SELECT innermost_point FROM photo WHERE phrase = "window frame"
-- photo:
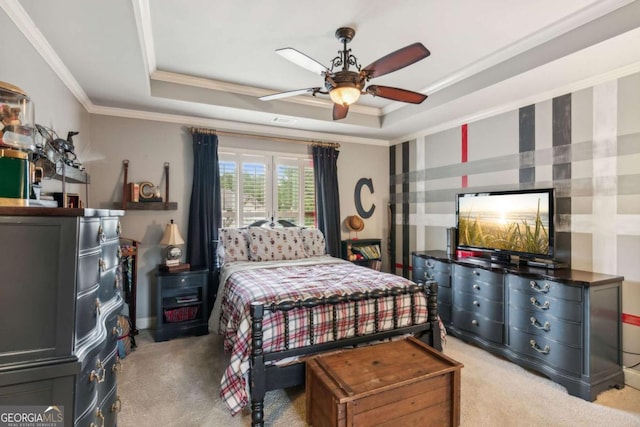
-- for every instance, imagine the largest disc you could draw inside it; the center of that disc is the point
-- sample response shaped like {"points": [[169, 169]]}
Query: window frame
{"points": [[271, 160]]}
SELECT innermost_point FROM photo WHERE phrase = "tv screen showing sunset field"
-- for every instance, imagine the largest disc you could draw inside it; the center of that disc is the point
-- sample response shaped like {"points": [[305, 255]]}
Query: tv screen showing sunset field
{"points": [[515, 222]]}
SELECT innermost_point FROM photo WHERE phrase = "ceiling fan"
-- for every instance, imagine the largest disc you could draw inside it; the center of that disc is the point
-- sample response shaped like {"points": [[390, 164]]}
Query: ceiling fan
{"points": [[345, 86]]}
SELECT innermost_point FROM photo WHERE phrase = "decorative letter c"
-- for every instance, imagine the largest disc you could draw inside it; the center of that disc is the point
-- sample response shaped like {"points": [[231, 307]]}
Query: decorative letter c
{"points": [[362, 182]]}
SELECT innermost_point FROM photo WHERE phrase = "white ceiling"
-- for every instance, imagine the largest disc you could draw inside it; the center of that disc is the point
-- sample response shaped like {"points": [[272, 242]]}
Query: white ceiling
{"points": [[204, 62]]}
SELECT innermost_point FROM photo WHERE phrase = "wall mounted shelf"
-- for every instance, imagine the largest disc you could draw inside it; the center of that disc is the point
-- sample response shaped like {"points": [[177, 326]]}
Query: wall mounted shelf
{"points": [[127, 204], [147, 206]]}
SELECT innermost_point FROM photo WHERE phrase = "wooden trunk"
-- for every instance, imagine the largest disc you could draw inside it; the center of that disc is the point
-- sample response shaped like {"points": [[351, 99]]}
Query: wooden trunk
{"points": [[399, 383]]}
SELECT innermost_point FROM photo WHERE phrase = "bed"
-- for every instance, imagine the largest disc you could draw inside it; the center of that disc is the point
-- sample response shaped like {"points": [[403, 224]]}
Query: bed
{"points": [[281, 298]]}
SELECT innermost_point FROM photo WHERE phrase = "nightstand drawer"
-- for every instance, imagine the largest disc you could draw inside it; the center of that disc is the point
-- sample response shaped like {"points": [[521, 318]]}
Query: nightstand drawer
{"points": [[183, 281]]}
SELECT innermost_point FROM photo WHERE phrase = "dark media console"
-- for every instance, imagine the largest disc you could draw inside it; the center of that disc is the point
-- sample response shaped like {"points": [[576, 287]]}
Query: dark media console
{"points": [[560, 322]]}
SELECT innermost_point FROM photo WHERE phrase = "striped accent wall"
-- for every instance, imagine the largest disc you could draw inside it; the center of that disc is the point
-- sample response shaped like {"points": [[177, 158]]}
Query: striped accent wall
{"points": [[585, 144]]}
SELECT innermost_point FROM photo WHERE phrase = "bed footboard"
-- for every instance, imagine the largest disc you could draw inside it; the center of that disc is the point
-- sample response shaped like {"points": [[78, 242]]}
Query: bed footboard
{"points": [[264, 377]]}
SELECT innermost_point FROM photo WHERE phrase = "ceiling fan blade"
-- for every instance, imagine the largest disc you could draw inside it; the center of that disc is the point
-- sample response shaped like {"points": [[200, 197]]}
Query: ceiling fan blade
{"points": [[302, 60], [397, 60], [340, 111], [289, 94], [396, 94]]}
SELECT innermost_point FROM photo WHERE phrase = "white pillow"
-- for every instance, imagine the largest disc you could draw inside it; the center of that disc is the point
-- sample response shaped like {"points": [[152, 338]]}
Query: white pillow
{"points": [[313, 241], [235, 244], [275, 244]]}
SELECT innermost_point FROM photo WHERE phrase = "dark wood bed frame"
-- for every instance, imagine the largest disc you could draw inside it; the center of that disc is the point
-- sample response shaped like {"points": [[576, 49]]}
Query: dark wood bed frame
{"points": [[264, 376]]}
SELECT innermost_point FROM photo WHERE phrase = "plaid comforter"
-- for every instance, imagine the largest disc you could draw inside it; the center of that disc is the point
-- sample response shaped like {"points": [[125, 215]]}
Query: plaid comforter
{"points": [[277, 282]]}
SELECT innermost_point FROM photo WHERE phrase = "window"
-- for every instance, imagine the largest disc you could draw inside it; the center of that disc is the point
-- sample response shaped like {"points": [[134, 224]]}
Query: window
{"points": [[257, 186]]}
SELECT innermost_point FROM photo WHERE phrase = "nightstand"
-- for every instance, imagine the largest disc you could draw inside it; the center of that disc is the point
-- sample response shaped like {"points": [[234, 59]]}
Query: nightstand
{"points": [[181, 304]]}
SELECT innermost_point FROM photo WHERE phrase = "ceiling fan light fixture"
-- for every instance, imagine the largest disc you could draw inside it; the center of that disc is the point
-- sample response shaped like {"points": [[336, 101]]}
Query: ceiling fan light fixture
{"points": [[345, 95]]}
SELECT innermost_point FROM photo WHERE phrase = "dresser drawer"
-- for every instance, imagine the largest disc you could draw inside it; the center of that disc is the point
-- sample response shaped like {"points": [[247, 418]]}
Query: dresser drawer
{"points": [[444, 295], [480, 282], [490, 309], [111, 228], [88, 272], [541, 324], [110, 285], [110, 256], [544, 287], [546, 350], [90, 234], [103, 414], [88, 306], [477, 324], [545, 305]]}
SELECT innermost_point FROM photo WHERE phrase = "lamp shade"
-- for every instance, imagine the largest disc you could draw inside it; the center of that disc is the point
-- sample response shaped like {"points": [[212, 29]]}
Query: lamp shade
{"points": [[171, 235], [345, 95]]}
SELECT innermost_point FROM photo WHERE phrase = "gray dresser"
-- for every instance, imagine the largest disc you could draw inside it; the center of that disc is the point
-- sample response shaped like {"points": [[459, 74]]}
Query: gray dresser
{"points": [[61, 294], [564, 324]]}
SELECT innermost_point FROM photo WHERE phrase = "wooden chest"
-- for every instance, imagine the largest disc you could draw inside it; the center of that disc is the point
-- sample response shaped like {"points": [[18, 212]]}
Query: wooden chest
{"points": [[399, 383]]}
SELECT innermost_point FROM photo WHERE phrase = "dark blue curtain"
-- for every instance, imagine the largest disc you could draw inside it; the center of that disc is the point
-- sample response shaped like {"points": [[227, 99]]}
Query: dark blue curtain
{"points": [[325, 168], [205, 211]]}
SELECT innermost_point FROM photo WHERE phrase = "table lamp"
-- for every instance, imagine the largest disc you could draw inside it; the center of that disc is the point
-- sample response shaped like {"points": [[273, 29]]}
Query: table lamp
{"points": [[171, 240]]}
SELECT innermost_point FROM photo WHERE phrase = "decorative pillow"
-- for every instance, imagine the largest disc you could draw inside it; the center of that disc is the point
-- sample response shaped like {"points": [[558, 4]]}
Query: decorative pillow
{"points": [[275, 244], [313, 241], [235, 243]]}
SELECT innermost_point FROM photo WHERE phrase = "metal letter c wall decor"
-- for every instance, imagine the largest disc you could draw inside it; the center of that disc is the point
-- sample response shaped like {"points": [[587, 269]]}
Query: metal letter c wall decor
{"points": [[358, 199]]}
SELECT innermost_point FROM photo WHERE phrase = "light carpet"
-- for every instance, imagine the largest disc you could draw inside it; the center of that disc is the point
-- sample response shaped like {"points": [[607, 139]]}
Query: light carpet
{"points": [[176, 383]]}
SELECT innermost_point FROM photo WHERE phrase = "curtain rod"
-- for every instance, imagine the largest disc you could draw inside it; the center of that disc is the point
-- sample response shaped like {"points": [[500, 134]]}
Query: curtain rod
{"points": [[206, 131]]}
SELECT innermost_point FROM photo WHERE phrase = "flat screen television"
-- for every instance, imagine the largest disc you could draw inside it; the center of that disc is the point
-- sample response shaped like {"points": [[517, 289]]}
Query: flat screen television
{"points": [[505, 223]]}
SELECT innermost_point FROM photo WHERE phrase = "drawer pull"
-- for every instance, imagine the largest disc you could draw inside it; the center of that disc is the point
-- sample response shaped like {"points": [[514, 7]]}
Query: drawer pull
{"points": [[546, 327], [102, 265], [476, 303], [428, 276], [117, 405], [95, 375], [430, 264], [101, 236], [97, 303], [116, 283], [474, 322], [537, 304], [119, 252], [118, 228], [98, 416], [543, 290], [476, 286], [117, 367], [534, 345], [476, 272]]}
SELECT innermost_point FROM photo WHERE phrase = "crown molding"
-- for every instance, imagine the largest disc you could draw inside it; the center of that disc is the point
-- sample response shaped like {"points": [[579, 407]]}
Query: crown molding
{"points": [[142, 13], [235, 126]]}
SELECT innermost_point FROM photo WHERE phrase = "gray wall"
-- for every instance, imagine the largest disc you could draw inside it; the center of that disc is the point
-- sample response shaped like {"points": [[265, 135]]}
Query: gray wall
{"points": [[584, 144], [55, 105], [149, 144]]}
